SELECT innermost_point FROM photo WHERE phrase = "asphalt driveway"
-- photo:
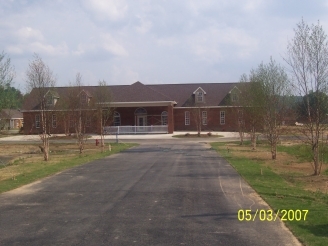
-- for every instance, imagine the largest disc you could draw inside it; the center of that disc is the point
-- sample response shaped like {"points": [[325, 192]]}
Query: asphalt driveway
{"points": [[169, 193]]}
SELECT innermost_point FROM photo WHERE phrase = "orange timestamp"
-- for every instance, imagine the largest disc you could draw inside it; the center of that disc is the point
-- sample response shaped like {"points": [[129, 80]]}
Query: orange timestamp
{"points": [[270, 215]]}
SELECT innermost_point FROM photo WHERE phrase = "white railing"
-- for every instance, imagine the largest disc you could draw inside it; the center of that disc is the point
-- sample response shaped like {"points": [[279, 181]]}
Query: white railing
{"points": [[112, 130]]}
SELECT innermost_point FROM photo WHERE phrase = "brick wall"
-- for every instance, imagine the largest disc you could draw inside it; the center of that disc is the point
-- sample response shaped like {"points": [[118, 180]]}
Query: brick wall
{"points": [[213, 119]]}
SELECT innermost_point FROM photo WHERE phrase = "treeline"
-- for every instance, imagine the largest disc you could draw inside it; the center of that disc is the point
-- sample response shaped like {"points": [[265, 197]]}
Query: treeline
{"points": [[10, 97]]}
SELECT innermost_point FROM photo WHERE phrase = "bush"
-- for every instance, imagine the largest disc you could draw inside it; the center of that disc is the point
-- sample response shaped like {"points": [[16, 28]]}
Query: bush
{"points": [[187, 134], [209, 134]]}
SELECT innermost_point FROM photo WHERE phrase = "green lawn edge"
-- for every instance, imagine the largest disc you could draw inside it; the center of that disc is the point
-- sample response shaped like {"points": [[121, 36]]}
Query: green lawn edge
{"points": [[48, 170], [280, 194]]}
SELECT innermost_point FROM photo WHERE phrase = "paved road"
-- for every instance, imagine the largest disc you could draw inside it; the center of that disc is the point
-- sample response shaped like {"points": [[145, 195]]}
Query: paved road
{"points": [[168, 194]]}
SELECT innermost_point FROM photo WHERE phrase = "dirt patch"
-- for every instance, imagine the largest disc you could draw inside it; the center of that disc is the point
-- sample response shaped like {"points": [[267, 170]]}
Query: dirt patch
{"points": [[15, 158], [286, 165]]}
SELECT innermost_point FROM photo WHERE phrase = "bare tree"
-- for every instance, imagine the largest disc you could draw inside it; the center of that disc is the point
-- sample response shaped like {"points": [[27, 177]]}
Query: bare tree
{"points": [[105, 112], [274, 95], [40, 77], [251, 99], [307, 57], [80, 110], [196, 114]]}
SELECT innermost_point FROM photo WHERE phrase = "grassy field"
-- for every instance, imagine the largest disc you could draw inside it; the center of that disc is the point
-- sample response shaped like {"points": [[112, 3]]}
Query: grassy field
{"points": [[22, 164], [285, 183]]}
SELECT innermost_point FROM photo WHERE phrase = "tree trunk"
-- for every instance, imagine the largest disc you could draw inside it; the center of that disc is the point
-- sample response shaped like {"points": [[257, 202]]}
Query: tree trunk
{"points": [[315, 151], [241, 135], [274, 151], [253, 138]]}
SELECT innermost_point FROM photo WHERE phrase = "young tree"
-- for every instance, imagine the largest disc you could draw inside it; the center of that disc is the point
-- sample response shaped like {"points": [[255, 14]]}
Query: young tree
{"points": [[196, 114], [307, 57], [274, 94], [251, 99], [40, 77], [105, 112], [79, 106]]}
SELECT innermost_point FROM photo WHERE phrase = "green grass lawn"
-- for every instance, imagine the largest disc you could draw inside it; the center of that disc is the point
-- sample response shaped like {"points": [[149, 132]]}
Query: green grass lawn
{"points": [[32, 171], [280, 194]]}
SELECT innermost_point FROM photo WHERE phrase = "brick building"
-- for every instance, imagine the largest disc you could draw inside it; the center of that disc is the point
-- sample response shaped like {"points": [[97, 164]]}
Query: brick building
{"points": [[140, 108]]}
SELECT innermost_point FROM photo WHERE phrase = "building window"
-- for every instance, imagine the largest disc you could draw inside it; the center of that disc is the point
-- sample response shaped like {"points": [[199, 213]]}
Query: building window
{"points": [[83, 98], [240, 117], [164, 118], [54, 121], [204, 117], [71, 121], [234, 97], [37, 121], [200, 96], [117, 119], [49, 100], [140, 111], [222, 117], [88, 121], [187, 118]]}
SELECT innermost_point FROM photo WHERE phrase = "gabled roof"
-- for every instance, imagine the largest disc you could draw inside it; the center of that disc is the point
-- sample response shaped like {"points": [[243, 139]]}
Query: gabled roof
{"points": [[182, 93], [138, 92], [199, 88], [53, 93], [11, 114]]}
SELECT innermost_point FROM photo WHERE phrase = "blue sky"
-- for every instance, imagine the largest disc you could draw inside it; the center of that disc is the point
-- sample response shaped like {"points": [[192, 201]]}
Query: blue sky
{"points": [[152, 41]]}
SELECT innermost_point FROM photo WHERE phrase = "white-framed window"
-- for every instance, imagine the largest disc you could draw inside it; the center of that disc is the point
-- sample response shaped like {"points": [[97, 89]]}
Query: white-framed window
{"points": [[117, 119], [83, 98], [234, 97], [88, 121], [240, 117], [54, 121], [222, 117], [164, 118], [71, 121], [200, 96], [187, 118], [49, 100], [37, 121], [204, 117]]}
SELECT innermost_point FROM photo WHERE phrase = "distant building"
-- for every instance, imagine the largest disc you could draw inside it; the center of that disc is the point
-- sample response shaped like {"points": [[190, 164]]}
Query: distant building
{"points": [[141, 108], [11, 119]]}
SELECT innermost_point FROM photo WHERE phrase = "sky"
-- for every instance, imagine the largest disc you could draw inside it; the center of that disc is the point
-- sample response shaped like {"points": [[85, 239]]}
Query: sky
{"points": [[151, 41]]}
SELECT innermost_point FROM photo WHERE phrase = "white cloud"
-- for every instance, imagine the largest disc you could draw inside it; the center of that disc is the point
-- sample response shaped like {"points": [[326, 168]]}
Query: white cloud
{"points": [[104, 42], [29, 33], [121, 75], [254, 5], [107, 9], [215, 45], [38, 47], [145, 25]]}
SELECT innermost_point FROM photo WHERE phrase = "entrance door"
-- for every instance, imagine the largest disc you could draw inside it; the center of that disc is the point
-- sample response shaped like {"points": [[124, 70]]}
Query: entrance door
{"points": [[141, 121]]}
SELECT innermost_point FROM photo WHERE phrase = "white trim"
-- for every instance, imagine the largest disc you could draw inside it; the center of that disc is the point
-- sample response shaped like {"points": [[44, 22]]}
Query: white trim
{"points": [[210, 107], [187, 118], [204, 118], [139, 104], [198, 90], [235, 87], [222, 118]]}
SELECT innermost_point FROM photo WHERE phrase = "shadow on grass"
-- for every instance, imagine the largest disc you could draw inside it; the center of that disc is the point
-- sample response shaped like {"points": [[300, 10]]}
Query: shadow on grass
{"points": [[317, 230]]}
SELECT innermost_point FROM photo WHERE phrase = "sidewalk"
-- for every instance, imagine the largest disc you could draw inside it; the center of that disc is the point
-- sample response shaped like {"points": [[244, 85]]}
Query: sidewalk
{"points": [[131, 137]]}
